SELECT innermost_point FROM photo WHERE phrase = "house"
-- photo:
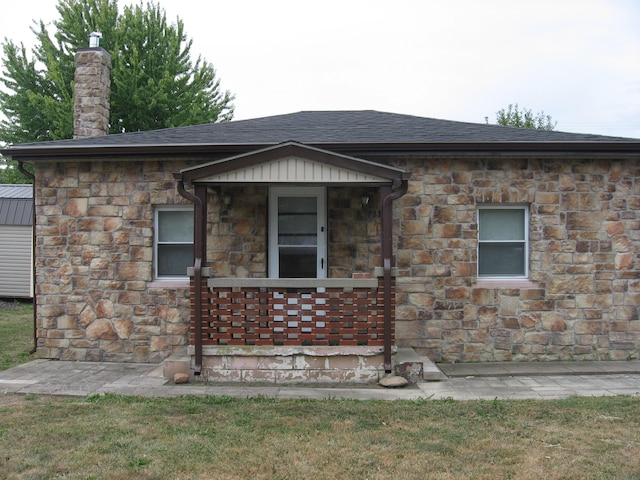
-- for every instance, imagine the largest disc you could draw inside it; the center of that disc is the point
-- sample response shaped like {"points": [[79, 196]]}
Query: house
{"points": [[311, 246], [16, 239]]}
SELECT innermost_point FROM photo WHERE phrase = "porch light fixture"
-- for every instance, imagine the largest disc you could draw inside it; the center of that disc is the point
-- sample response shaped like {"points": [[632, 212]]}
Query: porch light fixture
{"points": [[365, 200], [226, 199]]}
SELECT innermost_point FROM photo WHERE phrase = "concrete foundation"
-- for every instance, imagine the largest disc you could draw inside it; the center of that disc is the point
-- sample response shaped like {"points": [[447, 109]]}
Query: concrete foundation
{"points": [[292, 364]]}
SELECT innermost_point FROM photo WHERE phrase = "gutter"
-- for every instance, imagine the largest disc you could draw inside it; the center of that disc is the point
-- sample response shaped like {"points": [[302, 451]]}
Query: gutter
{"points": [[197, 270], [387, 234], [27, 173], [582, 149]]}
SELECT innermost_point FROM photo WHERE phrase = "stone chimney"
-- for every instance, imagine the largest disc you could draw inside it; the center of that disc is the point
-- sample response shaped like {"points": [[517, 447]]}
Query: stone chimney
{"points": [[91, 91]]}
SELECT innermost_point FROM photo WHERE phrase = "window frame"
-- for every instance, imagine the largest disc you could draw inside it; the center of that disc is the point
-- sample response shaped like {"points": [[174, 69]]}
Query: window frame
{"points": [[156, 239], [272, 249], [524, 242]]}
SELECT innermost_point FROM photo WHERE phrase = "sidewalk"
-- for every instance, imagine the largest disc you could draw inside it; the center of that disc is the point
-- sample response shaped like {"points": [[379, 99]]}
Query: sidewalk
{"points": [[466, 382]]}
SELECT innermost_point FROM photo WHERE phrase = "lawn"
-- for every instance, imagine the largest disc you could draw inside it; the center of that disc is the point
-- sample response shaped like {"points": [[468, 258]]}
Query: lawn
{"points": [[113, 437], [16, 333], [116, 437]]}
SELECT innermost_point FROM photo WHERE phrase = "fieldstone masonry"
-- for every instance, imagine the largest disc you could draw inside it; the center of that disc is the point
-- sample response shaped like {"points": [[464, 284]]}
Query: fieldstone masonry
{"points": [[94, 250], [97, 299], [92, 87], [582, 300]]}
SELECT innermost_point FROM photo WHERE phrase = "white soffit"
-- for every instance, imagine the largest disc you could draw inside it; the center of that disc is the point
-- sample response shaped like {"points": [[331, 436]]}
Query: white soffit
{"points": [[293, 169]]}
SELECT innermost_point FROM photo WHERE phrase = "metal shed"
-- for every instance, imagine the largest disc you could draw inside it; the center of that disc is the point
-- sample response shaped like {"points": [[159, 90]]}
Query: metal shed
{"points": [[16, 241]]}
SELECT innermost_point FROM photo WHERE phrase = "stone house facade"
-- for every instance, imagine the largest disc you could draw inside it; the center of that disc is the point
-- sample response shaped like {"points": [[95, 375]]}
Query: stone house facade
{"points": [[465, 242]]}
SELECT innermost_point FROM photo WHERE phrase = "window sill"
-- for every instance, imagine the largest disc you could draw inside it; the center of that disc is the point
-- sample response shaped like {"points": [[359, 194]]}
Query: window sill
{"points": [[505, 283], [168, 284]]}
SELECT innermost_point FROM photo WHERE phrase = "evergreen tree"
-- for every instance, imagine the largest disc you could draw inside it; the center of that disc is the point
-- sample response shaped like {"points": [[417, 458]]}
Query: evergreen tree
{"points": [[154, 82]]}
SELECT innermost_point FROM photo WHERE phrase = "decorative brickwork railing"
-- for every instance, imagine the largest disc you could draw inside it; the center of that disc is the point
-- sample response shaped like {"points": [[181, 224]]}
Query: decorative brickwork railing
{"points": [[276, 315]]}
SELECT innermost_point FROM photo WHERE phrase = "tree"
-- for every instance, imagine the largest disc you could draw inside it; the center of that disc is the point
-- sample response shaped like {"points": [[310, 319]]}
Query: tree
{"points": [[9, 172], [513, 117], [154, 82]]}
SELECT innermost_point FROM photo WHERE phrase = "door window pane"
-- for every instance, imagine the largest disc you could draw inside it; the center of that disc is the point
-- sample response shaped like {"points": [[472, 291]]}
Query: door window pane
{"points": [[297, 243], [297, 236], [298, 262], [297, 221]]}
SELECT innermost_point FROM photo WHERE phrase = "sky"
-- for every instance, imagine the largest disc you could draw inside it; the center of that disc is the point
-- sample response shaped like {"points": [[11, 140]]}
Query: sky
{"points": [[463, 60]]}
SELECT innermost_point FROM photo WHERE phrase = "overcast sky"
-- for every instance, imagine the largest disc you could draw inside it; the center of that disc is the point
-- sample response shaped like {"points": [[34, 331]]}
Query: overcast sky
{"points": [[578, 60]]}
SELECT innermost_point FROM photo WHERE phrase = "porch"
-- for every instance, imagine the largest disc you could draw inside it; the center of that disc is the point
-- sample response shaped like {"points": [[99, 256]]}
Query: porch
{"points": [[295, 309], [291, 330]]}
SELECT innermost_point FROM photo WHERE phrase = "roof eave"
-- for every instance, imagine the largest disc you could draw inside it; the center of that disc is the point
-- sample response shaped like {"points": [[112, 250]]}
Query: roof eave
{"points": [[598, 148]]}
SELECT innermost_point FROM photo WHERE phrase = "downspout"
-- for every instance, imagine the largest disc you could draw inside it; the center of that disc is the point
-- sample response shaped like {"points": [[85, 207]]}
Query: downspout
{"points": [[197, 270], [30, 175], [387, 234]]}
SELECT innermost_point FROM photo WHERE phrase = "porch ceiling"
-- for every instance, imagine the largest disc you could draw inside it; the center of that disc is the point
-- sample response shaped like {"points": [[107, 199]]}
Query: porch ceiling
{"points": [[293, 163]]}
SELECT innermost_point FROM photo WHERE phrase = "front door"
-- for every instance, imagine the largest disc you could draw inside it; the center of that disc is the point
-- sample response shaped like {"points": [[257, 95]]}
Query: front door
{"points": [[297, 232]]}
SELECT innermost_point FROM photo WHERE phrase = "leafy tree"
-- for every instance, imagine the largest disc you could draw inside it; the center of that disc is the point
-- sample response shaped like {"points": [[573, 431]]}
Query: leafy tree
{"points": [[154, 82], [513, 117], [9, 172]]}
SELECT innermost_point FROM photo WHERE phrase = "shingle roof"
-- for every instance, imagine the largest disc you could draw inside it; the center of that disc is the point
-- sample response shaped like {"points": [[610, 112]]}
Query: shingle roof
{"points": [[366, 126], [323, 128]]}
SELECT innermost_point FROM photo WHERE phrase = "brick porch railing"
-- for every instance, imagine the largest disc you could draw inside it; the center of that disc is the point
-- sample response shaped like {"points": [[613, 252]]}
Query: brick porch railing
{"points": [[302, 312]]}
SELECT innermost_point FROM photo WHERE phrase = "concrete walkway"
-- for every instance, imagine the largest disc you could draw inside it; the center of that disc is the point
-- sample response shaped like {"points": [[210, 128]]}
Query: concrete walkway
{"points": [[466, 382]]}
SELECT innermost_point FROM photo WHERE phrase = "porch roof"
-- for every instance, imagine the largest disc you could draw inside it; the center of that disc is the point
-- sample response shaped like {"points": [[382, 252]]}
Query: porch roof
{"points": [[292, 162]]}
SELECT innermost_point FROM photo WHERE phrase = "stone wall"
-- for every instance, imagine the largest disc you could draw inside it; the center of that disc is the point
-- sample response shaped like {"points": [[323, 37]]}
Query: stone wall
{"points": [[582, 300], [96, 299], [237, 241], [96, 296]]}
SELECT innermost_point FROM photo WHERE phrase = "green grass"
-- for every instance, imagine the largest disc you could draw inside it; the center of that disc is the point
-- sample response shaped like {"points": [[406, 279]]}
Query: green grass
{"points": [[115, 437], [16, 333]]}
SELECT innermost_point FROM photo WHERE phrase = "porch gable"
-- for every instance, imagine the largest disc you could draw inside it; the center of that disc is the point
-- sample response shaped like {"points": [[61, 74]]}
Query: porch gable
{"points": [[293, 163]]}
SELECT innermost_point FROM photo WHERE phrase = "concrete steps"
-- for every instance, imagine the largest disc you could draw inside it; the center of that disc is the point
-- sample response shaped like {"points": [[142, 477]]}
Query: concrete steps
{"points": [[416, 368]]}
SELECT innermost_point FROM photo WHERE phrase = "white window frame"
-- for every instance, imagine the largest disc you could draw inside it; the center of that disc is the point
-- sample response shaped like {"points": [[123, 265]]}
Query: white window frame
{"points": [[156, 241], [523, 208], [321, 195]]}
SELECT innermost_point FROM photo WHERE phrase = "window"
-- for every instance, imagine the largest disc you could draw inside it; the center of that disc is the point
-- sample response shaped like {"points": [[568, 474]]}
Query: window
{"points": [[173, 246], [503, 242], [297, 232]]}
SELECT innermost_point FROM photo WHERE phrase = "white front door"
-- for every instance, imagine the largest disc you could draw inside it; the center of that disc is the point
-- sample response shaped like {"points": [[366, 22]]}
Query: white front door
{"points": [[297, 232]]}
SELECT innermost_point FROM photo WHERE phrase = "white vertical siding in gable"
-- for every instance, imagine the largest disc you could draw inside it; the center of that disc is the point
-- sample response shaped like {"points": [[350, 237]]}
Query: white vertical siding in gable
{"points": [[294, 170]]}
